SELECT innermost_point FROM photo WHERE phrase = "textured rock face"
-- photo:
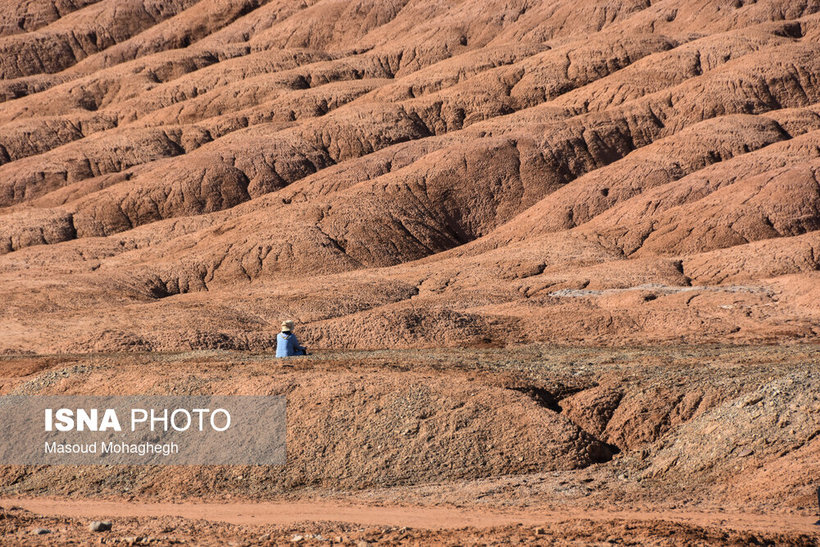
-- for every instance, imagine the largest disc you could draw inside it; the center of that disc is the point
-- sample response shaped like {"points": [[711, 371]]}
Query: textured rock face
{"points": [[184, 174]]}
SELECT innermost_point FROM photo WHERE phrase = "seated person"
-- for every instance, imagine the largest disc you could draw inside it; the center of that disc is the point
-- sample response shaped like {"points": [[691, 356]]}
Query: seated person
{"points": [[286, 343]]}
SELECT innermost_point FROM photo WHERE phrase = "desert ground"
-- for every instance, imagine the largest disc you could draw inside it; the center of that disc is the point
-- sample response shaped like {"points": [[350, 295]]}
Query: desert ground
{"points": [[403, 174], [557, 263], [671, 445]]}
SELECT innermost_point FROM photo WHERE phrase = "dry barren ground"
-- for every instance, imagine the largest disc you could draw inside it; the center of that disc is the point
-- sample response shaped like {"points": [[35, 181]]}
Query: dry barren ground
{"points": [[178, 176], [182, 175], [20, 525], [668, 446]]}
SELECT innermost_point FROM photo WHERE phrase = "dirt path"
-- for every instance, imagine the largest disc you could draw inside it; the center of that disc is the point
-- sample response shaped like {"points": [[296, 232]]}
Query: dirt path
{"points": [[278, 513]]}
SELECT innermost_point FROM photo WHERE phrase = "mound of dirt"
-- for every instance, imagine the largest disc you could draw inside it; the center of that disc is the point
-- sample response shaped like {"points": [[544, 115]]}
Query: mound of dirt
{"points": [[652, 425], [673, 445], [778, 422], [350, 429]]}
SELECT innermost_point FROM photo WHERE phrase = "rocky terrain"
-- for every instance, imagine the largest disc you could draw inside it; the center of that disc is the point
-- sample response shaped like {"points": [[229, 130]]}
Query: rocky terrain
{"points": [[676, 445], [549, 255], [183, 175]]}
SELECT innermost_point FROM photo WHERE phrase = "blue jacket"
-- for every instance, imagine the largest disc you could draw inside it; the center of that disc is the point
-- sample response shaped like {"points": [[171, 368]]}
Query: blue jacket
{"points": [[287, 345]]}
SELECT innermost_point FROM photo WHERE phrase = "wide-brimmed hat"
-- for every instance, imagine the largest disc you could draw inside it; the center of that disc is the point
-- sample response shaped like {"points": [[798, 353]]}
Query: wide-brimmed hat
{"points": [[287, 326]]}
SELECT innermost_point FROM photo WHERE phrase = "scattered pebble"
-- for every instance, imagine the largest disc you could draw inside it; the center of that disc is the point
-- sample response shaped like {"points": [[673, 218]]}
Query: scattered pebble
{"points": [[100, 526]]}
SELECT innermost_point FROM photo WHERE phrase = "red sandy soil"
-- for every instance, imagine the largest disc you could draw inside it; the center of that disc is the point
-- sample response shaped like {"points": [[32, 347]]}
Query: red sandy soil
{"points": [[22, 527], [512, 182], [435, 518], [184, 175], [595, 437], [419, 523]]}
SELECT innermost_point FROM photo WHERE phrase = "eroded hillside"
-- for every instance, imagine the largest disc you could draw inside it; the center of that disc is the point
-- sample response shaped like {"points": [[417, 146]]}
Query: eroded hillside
{"points": [[178, 175]]}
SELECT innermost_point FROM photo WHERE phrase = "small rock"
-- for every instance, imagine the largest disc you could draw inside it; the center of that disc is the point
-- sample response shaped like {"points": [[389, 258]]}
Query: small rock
{"points": [[539, 532], [40, 531], [297, 539], [362, 544], [100, 526]]}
